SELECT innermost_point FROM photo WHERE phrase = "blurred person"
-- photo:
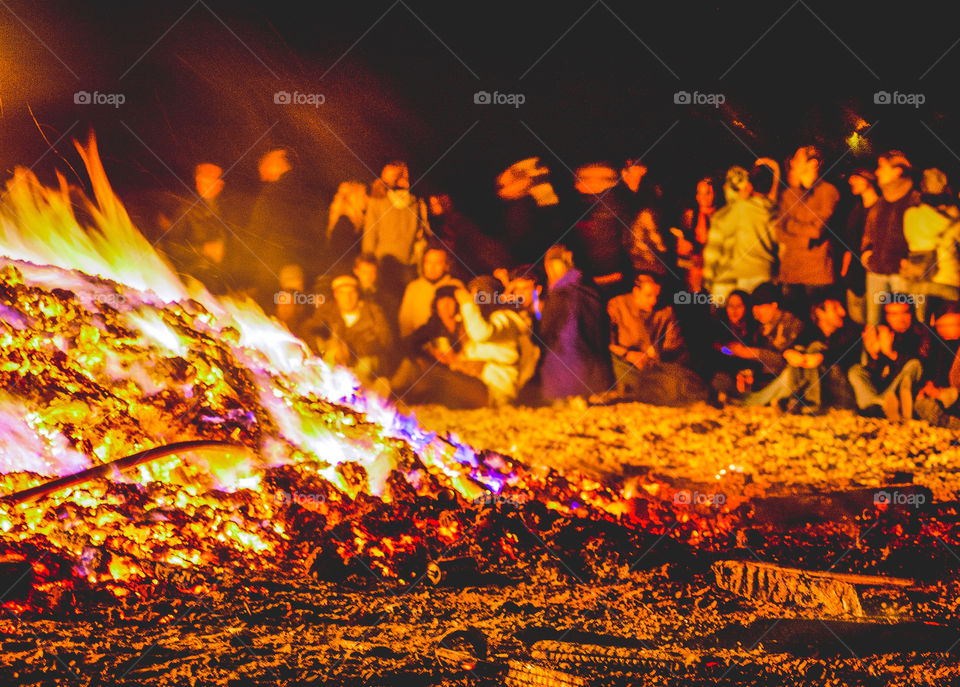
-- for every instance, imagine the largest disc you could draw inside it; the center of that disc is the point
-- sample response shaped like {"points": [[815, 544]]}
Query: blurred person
{"points": [[936, 401], [293, 306], [731, 323], [597, 240], [649, 355], [817, 363], [498, 349], [884, 243], [691, 237], [741, 249], [573, 332], [418, 296], [931, 229], [395, 226], [433, 357], [636, 190], [759, 360], [863, 185], [890, 366], [804, 236], [351, 332], [530, 205], [344, 225], [645, 246], [472, 251], [367, 272], [281, 224]]}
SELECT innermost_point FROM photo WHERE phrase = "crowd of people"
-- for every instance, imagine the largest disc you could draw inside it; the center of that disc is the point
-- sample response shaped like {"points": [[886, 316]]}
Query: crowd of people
{"points": [[767, 288]]}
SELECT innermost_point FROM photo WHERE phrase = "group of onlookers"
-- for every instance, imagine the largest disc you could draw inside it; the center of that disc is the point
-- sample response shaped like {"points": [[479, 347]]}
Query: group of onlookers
{"points": [[768, 288]]}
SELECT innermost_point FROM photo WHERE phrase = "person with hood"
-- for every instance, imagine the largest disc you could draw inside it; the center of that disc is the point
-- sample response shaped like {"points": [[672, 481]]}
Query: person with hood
{"points": [[573, 332], [741, 250], [884, 243], [803, 232], [498, 349], [418, 296], [395, 226], [932, 232]]}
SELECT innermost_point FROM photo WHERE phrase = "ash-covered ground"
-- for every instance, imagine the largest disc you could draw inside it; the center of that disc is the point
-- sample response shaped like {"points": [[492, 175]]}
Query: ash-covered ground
{"points": [[659, 602]]}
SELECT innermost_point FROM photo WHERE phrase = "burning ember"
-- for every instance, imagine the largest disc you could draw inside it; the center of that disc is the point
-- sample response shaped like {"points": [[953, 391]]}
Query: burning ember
{"points": [[105, 353]]}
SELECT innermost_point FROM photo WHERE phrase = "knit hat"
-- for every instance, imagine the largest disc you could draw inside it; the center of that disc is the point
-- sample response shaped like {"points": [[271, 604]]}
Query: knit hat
{"points": [[934, 181], [345, 280]]}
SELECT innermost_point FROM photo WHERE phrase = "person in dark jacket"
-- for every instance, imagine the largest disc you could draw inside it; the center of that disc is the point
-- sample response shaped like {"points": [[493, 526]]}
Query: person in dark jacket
{"points": [[937, 400], [884, 243], [472, 252], [863, 185], [890, 367], [573, 332]]}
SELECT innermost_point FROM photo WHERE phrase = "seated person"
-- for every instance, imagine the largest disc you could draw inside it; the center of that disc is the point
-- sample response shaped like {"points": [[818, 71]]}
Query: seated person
{"points": [[649, 355], [759, 360], [498, 349], [890, 366], [937, 399], [350, 332], [367, 272], [418, 296], [817, 363], [430, 371], [730, 324]]}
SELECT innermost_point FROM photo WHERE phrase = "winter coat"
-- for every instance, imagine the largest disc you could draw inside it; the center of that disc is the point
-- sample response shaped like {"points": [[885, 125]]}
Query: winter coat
{"points": [[883, 231], [741, 243], [503, 343], [389, 230], [638, 330]]}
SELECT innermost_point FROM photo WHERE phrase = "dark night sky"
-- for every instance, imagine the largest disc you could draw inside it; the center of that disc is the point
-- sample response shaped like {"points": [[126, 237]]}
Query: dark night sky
{"points": [[405, 87]]}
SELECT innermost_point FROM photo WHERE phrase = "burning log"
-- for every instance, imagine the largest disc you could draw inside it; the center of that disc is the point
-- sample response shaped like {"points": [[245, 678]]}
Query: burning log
{"points": [[827, 592], [109, 468], [16, 579], [449, 572]]}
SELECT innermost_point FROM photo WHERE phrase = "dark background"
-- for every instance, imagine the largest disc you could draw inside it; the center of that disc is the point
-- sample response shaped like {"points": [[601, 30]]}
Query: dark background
{"points": [[791, 74]]}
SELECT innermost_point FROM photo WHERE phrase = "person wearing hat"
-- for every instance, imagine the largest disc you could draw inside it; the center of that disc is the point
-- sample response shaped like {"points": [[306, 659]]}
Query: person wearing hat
{"points": [[351, 332], [761, 357], [863, 185], [931, 270], [803, 232], [884, 243], [649, 354], [741, 249]]}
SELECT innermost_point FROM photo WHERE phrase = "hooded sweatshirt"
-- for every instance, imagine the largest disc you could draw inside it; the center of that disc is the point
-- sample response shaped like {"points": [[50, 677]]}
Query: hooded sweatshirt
{"points": [[883, 231], [801, 228], [741, 242]]}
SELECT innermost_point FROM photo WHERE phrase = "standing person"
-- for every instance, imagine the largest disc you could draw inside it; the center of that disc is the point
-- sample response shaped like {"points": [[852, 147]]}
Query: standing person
{"points": [[691, 237], [418, 296], [650, 358], [637, 191], [803, 231], [529, 210], [573, 331], [281, 224], [890, 366], [741, 251], [395, 226], [932, 232], [863, 184], [472, 251], [344, 224], [884, 243]]}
